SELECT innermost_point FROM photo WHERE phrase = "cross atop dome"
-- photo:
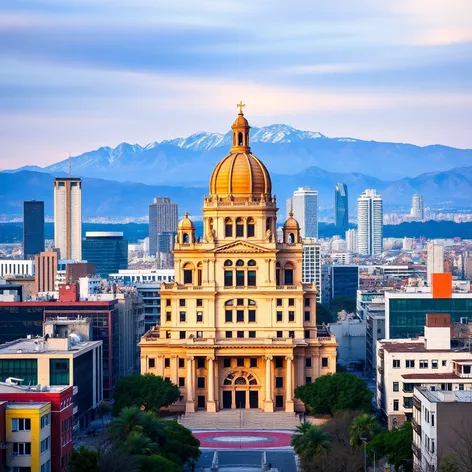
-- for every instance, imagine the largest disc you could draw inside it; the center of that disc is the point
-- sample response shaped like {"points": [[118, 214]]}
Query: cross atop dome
{"points": [[241, 105]]}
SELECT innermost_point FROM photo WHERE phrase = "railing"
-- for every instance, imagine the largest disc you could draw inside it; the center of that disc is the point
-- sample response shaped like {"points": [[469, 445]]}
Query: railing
{"points": [[416, 451], [381, 353], [416, 426], [380, 369], [416, 403], [287, 287]]}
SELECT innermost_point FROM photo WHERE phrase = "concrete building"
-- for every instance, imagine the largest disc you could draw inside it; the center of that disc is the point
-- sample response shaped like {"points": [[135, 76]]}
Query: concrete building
{"points": [[344, 281], [13, 267], [238, 327], [304, 206], [33, 228], [435, 262], [68, 217], [351, 338], [441, 428], [46, 270], [107, 250], [428, 361], [341, 207], [417, 207], [351, 240], [143, 276], [375, 331], [370, 223], [163, 218], [311, 265]]}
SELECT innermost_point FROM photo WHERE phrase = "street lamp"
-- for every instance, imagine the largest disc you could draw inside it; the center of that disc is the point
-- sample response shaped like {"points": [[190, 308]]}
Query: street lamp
{"points": [[364, 440]]}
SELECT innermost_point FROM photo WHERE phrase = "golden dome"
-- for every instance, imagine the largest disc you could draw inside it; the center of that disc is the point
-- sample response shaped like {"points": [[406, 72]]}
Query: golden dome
{"points": [[240, 173], [291, 223], [186, 224]]}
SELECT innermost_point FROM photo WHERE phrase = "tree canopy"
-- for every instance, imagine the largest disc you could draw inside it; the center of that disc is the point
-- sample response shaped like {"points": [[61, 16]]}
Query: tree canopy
{"points": [[148, 391], [310, 440], [334, 392]]}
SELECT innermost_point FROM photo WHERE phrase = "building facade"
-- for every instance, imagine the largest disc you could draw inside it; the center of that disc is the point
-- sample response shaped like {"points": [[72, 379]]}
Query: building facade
{"points": [[33, 228], [344, 281], [417, 207], [341, 207], [107, 250], [13, 267], [311, 265], [435, 261], [238, 326], [163, 218], [304, 206], [370, 223], [46, 270], [351, 240]]}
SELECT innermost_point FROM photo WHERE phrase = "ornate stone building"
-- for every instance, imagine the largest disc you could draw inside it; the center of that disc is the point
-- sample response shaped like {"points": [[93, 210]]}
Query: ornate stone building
{"points": [[238, 327]]}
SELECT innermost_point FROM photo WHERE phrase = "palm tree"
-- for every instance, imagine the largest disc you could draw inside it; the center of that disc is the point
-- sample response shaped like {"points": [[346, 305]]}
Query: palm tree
{"points": [[130, 419], [310, 440], [153, 427], [139, 444], [364, 427]]}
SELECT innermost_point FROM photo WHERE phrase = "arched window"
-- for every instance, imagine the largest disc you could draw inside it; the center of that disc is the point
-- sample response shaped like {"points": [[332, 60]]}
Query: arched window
{"points": [[199, 274], [291, 238], [288, 273], [251, 302], [228, 263], [188, 273], [240, 139], [229, 303], [251, 263], [239, 262], [250, 228], [185, 238], [239, 228], [228, 227]]}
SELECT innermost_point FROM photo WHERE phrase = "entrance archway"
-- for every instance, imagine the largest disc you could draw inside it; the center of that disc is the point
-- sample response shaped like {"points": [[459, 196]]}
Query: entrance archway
{"points": [[240, 389]]}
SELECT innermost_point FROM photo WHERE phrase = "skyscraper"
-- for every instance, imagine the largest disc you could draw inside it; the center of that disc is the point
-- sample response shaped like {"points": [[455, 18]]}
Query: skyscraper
{"points": [[163, 218], [304, 205], [369, 223], [33, 228], [417, 207], [68, 217], [435, 262], [311, 264], [351, 240], [341, 206]]}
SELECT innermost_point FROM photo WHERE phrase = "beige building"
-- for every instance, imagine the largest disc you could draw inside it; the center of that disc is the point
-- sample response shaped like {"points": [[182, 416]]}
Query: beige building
{"points": [[238, 326]]}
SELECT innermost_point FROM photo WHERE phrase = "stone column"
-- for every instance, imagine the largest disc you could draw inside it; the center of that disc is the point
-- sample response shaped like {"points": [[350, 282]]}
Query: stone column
{"points": [[268, 403], [289, 386], [174, 371], [160, 365], [211, 404], [190, 406]]}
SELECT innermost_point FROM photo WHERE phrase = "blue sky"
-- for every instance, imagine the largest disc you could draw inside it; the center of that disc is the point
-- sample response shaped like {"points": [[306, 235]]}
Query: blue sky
{"points": [[79, 74]]}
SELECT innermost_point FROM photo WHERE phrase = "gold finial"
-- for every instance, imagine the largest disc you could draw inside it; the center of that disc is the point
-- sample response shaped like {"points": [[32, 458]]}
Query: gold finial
{"points": [[241, 105], [186, 214]]}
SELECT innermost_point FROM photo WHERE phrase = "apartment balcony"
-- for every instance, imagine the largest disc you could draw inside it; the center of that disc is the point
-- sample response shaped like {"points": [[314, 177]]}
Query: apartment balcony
{"points": [[381, 353], [416, 427], [416, 451], [416, 404], [380, 369]]}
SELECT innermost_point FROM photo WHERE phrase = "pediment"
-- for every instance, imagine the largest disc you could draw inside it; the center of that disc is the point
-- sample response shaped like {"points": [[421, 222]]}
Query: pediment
{"points": [[241, 247]]}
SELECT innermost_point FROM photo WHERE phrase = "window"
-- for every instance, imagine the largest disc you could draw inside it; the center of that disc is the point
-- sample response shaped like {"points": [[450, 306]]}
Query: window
{"points": [[181, 363], [26, 369], [288, 276], [239, 228], [253, 362], [240, 301], [199, 302], [423, 364], [307, 334], [182, 316], [59, 371], [252, 316], [280, 334], [407, 402], [182, 335], [240, 278], [431, 446], [432, 419], [395, 405], [396, 363], [21, 424], [410, 364], [200, 363], [168, 316], [279, 401], [307, 302], [279, 382], [240, 263], [279, 362], [182, 302], [167, 334], [251, 302], [167, 362], [461, 386], [408, 387], [250, 228], [45, 445], [199, 316], [279, 316], [228, 278], [279, 302], [201, 382], [307, 316], [21, 449], [291, 334], [308, 380], [324, 362], [226, 362], [251, 278], [308, 362], [46, 467], [252, 334], [151, 363], [228, 263], [181, 381], [228, 228], [240, 334], [434, 364], [447, 387], [240, 362], [291, 302], [229, 334], [228, 316], [444, 363], [168, 302], [240, 316], [396, 386], [291, 316], [188, 276]]}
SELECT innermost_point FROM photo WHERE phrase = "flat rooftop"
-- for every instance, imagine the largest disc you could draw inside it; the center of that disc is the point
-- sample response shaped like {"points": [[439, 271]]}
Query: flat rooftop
{"points": [[40, 347], [439, 396], [27, 405], [418, 347], [11, 388]]}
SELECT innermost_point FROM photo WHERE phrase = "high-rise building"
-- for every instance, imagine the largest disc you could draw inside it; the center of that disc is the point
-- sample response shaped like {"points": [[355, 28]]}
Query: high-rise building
{"points": [[68, 217], [311, 265], [351, 240], [238, 296], [370, 223], [33, 228], [435, 262], [341, 207], [163, 218], [45, 270], [304, 206], [417, 207], [107, 250]]}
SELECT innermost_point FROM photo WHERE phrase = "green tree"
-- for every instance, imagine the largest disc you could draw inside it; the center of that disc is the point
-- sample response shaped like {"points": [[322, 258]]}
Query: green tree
{"points": [[129, 420], [310, 440], [157, 463], [84, 460], [395, 446], [333, 392], [364, 426], [342, 303], [181, 445], [323, 314], [139, 444], [148, 391]]}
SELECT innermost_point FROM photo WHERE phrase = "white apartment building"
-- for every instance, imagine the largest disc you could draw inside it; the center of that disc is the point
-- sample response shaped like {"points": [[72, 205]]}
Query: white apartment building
{"points": [[68, 217], [417, 207], [311, 264], [351, 240], [370, 223], [429, 360], [16, 267], [132, 276], [435, 262], [304, 205]]}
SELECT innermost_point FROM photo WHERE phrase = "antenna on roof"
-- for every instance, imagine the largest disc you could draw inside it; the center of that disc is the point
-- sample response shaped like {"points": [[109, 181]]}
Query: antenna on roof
{"points": [[70, 165]]}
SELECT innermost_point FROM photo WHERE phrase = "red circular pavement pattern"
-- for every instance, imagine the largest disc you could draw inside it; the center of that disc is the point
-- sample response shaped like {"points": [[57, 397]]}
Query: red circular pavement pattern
{"points": [[243, 439]]}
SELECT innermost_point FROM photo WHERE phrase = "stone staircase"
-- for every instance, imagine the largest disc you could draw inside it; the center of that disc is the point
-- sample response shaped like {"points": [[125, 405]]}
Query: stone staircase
{"points": [[250, 419]]}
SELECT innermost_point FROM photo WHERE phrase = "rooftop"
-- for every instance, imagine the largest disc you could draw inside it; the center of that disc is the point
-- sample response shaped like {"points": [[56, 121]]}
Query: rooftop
{"points": [[40, 346], [6, 387], [27, 405], [439, 396], [432, 376], [417, 346]]}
